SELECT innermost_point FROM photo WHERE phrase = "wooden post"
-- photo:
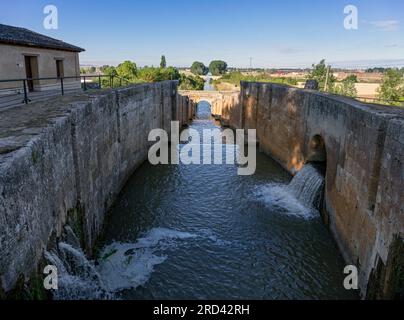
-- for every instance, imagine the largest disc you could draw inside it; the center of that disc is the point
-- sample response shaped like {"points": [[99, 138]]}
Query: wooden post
{"points": [[327, 78]]}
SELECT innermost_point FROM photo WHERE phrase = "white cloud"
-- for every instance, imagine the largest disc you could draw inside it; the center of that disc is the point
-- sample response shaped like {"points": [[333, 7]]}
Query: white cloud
{"points": [[393, 45], [386, 25]]}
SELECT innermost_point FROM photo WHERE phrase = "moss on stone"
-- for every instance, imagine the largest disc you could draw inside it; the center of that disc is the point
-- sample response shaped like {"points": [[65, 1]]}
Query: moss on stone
{"points": [[36, 290], [35, 156], [30, 288], [76, 218]]}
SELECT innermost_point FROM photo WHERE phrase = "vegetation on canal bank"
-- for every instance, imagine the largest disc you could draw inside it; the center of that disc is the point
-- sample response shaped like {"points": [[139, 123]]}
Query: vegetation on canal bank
{"points": [[392, 87], [218, 67], [236, 77], [390, 92], [199, 69], [132, 74]]}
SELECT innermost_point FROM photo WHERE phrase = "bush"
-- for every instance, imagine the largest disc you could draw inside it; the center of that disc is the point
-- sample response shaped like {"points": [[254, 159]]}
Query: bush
{"points": [[236, 77], [191, 83], [151, 74], [127, 70], [392, 87], [199, 69], [347, 87]]}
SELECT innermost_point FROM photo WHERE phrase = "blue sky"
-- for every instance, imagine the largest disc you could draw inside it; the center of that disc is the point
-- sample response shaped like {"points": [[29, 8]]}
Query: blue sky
{"points": [[287, 33]]}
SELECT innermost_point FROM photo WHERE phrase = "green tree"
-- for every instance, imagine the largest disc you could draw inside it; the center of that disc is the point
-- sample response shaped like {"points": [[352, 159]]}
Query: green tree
{"points": [[191, 83], [92, 69], [163, 62], [199, 69], [347, 87], [218, 67], [150, 74], [170, 73], [109, 70], [127, 70], [319, 73], [392, 86]]}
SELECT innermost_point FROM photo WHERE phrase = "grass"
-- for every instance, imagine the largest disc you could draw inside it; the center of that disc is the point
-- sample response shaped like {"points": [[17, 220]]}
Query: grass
{"points": [[236, 77]]}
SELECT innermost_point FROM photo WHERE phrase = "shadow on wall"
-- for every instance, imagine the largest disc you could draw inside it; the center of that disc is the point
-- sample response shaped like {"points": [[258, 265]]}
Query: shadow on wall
{"points": [[362, 160], [317, 151]]}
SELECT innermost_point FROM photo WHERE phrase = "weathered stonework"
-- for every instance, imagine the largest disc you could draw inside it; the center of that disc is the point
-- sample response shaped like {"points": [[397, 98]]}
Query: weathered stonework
{"points": [[364, 199], [67, 159], [222, 103]]}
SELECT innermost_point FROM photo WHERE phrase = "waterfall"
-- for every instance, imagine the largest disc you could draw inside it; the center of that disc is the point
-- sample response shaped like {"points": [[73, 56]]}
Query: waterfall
{"points": [[77, 276], [308, 185], [120, 266]]}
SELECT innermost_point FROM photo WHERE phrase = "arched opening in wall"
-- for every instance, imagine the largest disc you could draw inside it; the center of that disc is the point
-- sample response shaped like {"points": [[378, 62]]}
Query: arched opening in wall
{"points": [[317, 152], [203, 110]]}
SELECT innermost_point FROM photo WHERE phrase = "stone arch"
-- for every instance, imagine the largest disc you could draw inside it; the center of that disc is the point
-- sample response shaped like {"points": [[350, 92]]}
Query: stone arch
{"points": [[317, 151], [216, 99], [199, 112], [198, 101], [204, 98]]}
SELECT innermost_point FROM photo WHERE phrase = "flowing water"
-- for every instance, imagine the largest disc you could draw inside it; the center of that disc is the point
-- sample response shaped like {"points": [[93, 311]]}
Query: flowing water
{"points": [[308, 185], [208, 83], [78, 277], [203, 232]]}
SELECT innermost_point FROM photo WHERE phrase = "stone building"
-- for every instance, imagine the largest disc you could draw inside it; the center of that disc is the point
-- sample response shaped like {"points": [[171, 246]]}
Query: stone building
{"points": [[25, 54]]}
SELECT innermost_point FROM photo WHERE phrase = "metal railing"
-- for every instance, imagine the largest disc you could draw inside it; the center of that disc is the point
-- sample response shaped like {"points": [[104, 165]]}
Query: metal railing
{"points": [[61, 83]]}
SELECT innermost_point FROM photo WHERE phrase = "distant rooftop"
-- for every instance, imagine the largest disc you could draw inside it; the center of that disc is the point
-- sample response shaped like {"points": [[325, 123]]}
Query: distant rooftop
{"points": [[25, 37]]}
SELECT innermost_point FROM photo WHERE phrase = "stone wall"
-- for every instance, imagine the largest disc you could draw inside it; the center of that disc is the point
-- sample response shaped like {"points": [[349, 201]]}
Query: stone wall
{"points": [[222, 103], [364, 199], [66, 159]]}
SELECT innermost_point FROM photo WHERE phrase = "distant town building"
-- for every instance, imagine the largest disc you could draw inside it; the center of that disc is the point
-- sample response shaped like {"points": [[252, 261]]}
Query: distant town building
{"points": [[25, 54]]}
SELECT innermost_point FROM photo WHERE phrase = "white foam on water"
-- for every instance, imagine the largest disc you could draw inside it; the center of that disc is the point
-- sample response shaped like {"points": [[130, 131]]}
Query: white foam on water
{"points": [[210, 235], [120, 266], [156, 235], [77, 277], [129, 265], [279, 198]]}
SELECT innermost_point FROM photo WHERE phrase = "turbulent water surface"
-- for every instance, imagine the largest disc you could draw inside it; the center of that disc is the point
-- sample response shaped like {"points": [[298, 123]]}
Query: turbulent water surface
{"points": [[202, 231]]}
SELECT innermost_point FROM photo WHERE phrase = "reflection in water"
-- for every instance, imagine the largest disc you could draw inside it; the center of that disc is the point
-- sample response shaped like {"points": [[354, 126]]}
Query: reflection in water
{"points": [[208, 83], [203, 111]]}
